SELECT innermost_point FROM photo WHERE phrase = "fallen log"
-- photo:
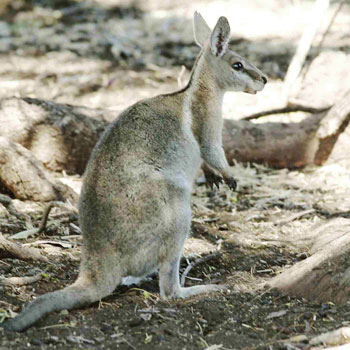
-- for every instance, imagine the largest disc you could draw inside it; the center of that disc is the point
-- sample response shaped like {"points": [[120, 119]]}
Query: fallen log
{"points": [[290, 145], [278, 145], [26, 178], [60, 136], [39, 135]]}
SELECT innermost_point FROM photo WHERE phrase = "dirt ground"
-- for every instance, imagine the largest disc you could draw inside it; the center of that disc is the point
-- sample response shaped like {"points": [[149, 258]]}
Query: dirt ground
{"points": [[111, 54], [252, 236]]}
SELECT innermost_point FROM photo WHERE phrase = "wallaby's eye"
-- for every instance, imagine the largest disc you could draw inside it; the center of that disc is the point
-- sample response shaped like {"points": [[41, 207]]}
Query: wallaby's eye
{"points": [[237, 66]]}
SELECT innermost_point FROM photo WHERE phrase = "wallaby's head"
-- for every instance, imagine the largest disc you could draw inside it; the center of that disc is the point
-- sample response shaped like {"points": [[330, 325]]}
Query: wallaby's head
{"points": [[231, 71]]}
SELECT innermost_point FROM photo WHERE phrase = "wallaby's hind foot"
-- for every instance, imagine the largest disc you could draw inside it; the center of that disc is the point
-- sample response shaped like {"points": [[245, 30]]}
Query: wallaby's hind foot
{"points": [[169, 283], [185, 292]]}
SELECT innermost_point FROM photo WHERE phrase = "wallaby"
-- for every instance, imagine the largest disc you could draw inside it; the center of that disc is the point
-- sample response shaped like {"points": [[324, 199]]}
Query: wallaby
{"points": [[134, 207]]}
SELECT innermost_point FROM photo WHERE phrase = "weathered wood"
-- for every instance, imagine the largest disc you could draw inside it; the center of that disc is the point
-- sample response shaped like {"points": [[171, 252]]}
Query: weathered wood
{"points": [[26, 178], [332, 126], [13, 250], [304, 45], [60, 136], [326, 79], [279, 145], [290, 145], [325, 275]]}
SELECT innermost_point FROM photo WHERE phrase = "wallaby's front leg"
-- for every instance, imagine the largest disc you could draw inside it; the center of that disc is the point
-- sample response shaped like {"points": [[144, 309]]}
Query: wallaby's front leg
{"points": [[214, 156]]}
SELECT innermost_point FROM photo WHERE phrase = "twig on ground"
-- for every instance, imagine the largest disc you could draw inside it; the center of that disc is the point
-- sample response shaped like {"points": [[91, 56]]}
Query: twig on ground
{"points": [[288, 109], [45, 216], [20, 281], [42, 226], [293, 217], [126, 342], [75, 228], [10, 249], [195, 263]]}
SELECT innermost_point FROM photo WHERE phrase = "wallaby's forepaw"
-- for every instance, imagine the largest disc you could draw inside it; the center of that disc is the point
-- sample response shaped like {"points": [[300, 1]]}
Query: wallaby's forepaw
{"points": [[231, 183], [211, 180]]}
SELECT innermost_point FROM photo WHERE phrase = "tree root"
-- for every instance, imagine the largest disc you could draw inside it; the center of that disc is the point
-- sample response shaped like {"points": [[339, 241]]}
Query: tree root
{"points": [[20, 281], [13, 250], [325, 275]]}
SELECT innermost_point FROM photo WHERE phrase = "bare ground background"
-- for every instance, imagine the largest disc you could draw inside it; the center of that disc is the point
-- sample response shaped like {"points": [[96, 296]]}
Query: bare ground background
{"points": [[109, 54]]}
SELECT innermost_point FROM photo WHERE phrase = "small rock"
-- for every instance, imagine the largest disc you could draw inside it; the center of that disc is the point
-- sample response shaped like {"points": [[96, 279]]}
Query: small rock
{"points": [[322, 313], [275, 292], [302, 256], [100, 339], [168, 331], [135, 322], [299, 339], [53, 340], [3, 211], [276, 314], [159, 339], [105, 327], [37, 342], [146, 317]]}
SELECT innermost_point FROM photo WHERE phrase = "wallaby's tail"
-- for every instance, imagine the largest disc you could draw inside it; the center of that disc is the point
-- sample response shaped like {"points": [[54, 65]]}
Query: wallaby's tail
{"points": [[74, 296]]}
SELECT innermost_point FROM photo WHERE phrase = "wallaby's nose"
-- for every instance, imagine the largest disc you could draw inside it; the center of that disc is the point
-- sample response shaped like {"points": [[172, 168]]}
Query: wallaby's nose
{"points": [[264, 80]]}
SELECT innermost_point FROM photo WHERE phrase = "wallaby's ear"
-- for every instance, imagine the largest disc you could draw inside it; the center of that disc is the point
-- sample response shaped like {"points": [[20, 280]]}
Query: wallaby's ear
{"points": [[201, 29], [220, 37]]}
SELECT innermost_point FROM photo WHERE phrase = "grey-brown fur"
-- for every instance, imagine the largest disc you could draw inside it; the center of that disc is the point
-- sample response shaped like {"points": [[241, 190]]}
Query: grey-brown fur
{"points": [[134, 207]]}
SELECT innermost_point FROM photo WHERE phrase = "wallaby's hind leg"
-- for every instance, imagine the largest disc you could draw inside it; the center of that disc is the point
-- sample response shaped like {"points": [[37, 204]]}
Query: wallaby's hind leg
{"points": [[169, 283]]}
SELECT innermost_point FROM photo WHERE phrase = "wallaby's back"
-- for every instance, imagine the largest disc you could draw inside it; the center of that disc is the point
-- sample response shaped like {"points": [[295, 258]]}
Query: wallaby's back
{"points": [[132, 163]]}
